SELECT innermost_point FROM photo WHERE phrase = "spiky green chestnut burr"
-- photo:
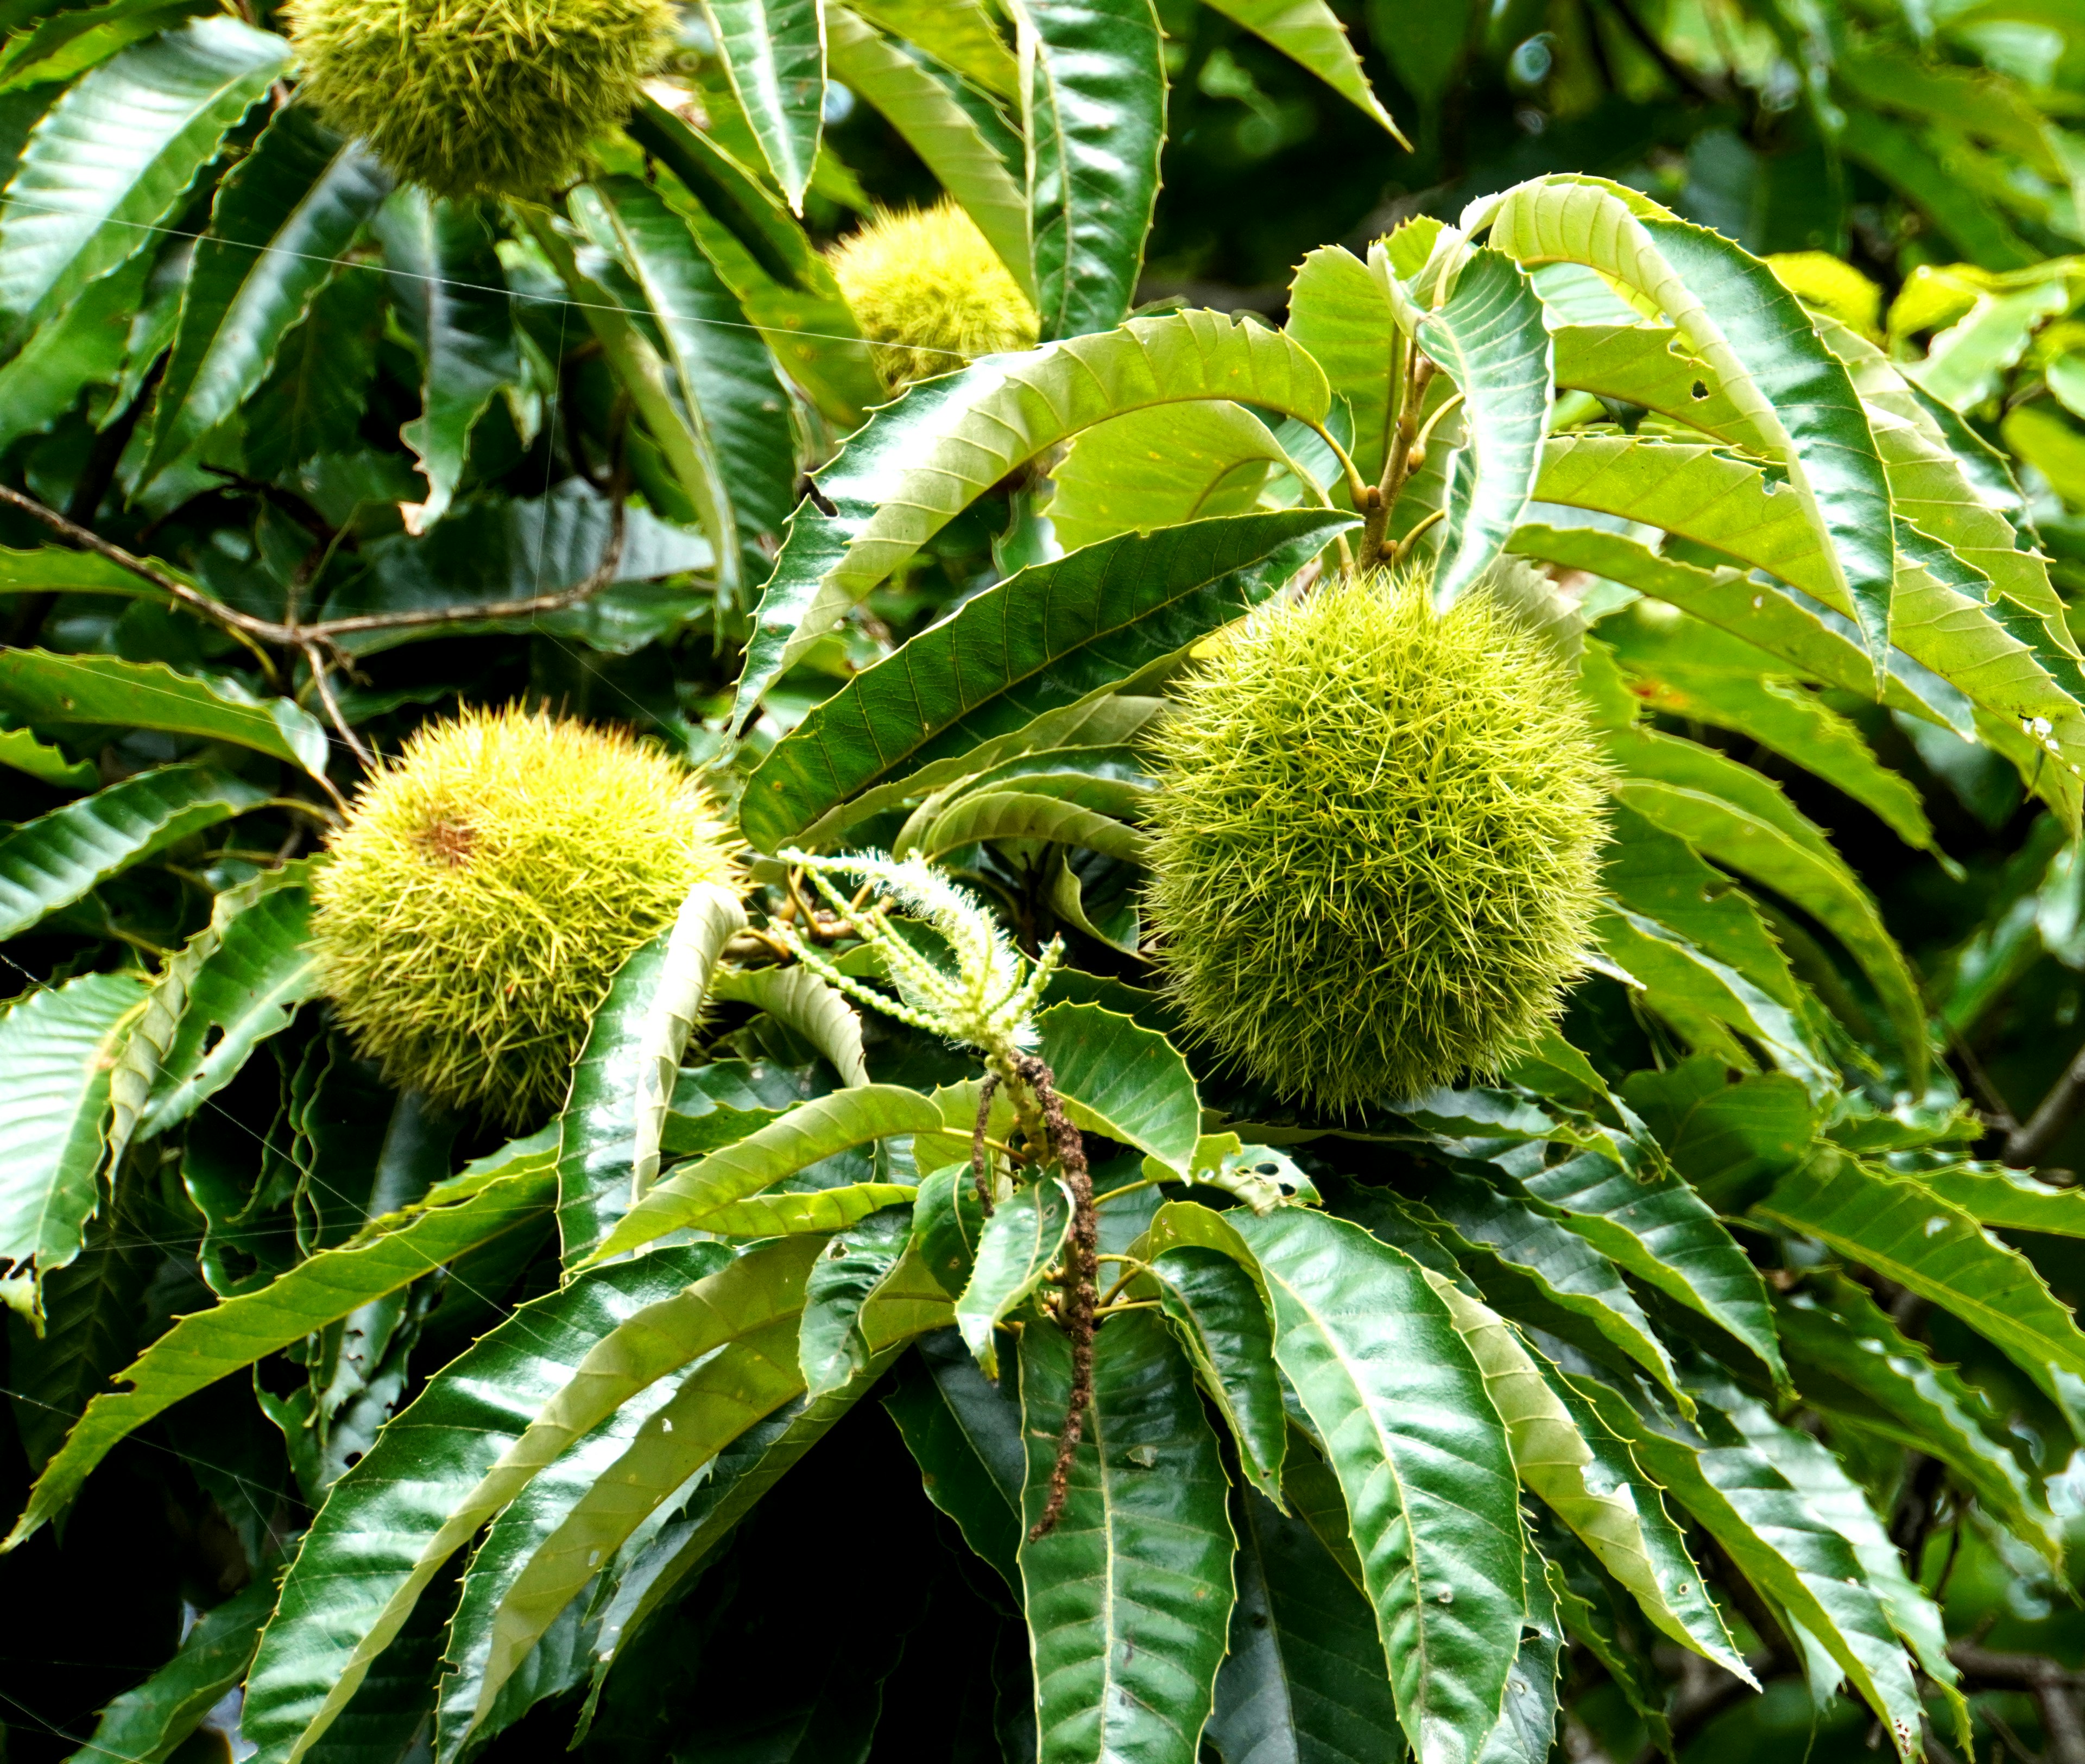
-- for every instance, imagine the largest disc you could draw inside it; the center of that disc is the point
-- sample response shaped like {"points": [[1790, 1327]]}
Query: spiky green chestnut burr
{"points": [[478, 97], [1375, 841], [485, 888], [929, 294]]}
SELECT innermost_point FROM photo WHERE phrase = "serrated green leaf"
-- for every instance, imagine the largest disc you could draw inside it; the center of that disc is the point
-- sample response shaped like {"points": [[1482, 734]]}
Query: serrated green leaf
{"points": [[147, 1722], [770, 265], [1093, 111], [393, 1514], [1732, 815], [1909, 1234], [250, 973], [1129, 1598], [622, 1084], [1422, 1458], [1698, 993], [83, 346], [449, 291], [941, 131], [774, 52], [57, 1046], [1648, 1221], [1220, 1316], [1832, 1494], [965, 1435], [43, 688], [749, 1375], [2011, 1199], [1305, 1682], [60, 857], [1489, 338], [1783, 1547], [1341, 313], [1731, 1141], [1119, 1078], [281, 218], [1024, 1236], [920, 462], [1767, 356], [817, 1011], [1589, 1483], [1311, 34], [830, 1346], [1854, 1363], [1565, 1270], [112, 158], [1162, 468], [724, 381], [21, 751], [211, 1344], [819, 1129], [1038, 644]]}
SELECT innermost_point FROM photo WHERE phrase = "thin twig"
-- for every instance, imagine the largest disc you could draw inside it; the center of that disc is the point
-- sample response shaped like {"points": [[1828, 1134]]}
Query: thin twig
{"points": [[327, 631], [2025, 1145], [1080, 1282], [316, 657]]}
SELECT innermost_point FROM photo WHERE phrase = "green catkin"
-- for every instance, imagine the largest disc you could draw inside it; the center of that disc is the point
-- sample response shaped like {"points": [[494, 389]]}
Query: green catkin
{"points": [[474, 98], [929, 293], [1375, 841], [487, 884]]}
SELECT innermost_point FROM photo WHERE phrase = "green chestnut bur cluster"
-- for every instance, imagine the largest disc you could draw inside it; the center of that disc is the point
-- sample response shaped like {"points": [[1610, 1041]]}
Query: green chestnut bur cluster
{"points": [[1376, 841], [929, 293], [478, 97], [485, 888]]}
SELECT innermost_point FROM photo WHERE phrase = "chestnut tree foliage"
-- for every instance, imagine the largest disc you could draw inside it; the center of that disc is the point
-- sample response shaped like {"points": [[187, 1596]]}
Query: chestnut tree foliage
{"points": [[908, 1339]]}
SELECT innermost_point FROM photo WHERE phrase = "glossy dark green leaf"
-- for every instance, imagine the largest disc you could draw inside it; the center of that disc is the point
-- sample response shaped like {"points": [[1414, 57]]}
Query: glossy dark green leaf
{"points": [[921, 461], [769, 263], [1856, 1365], [394, 1514], [1313, 36], [1422, 1458], [1488, 337], [212, 1343], [746, 1375], [1040, 642], [1022, 1239], [978, 1489], [1305, 1682], [42, 688], [448, 289], [928, 113], [1907, 1233], [111, 158], [1731, 1141], [831, 1349], [245, 987], [290, 208], [1119, 1078], [82, 347], [622, 1084], [774, 52], [150, 1721], [702, 1190], [1129, 1598], [948, 1219], [1783, 1548], [93, 1312], [1565, 1269], [724, 382], [1222, 1320], [57, 1045], [1649, 1222], [1094, 112]]}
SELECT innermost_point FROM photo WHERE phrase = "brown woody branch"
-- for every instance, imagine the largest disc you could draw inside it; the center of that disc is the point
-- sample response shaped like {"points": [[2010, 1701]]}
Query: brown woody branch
{"points": [[326, 633]]}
